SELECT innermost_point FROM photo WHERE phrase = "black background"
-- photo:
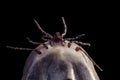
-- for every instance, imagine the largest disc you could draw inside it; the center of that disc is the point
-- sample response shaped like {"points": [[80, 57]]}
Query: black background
{"points": [[98, 22]]}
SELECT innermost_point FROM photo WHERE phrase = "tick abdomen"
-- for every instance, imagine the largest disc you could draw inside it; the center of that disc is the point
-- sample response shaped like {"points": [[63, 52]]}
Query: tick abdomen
{"points": [[58, 63]]}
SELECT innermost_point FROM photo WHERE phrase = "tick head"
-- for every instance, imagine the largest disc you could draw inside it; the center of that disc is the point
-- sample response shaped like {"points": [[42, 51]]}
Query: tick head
{"points": [[57, 37]]}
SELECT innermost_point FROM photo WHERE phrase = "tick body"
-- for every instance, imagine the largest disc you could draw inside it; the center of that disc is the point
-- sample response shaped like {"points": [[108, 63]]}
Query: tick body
{"points": [[59, 59]]}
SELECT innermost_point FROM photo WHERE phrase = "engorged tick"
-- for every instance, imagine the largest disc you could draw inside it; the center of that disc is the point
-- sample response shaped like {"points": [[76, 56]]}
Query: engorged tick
{"points": [[60, 59]]}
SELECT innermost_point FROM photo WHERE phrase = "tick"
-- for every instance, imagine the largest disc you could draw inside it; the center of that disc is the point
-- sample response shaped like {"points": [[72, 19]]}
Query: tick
{"points": [[58, 58]]}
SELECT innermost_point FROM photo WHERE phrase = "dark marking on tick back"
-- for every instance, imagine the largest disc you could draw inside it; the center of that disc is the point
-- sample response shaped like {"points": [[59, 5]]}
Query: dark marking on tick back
{"points": [[39, 52], [68, 79], [77, 48], [69, 44], [45, 46]]}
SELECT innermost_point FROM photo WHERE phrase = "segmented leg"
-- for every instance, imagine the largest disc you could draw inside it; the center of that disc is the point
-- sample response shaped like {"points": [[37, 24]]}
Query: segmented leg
{"points": [[65, 27], [18, 48], [45, 38], [77, 37], [42, 29], [30, 41], [81, 43]]}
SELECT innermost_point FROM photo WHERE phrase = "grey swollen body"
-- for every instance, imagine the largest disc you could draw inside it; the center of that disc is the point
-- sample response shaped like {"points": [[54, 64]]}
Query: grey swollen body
{"points": [[58, 63]]}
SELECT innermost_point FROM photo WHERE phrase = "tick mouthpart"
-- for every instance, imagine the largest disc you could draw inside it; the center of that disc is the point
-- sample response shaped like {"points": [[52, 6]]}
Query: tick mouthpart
{"points": [[57, 37]]}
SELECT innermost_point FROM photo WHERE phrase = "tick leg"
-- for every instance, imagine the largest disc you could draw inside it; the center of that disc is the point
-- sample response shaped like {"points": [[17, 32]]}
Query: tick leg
{"points": [[30, 41], [45, 38], [65, 27], [50, 36], [92, 60], [71, 39], [19, 48], [81, 43]]}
